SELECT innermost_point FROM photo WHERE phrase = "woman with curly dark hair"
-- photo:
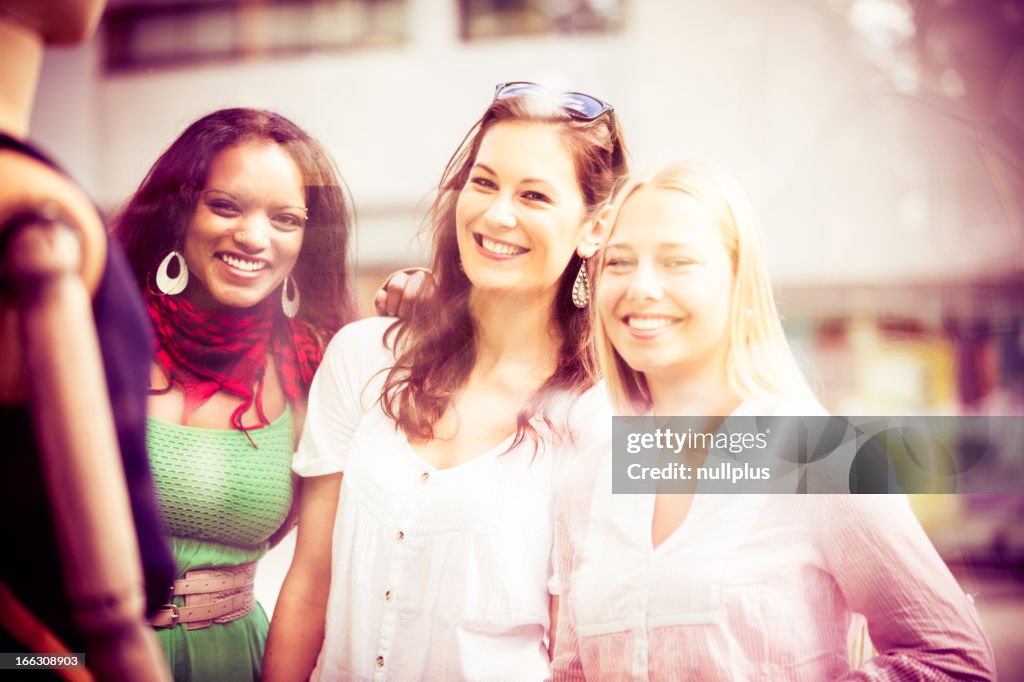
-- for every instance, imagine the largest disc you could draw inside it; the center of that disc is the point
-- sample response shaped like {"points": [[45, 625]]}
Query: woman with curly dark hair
{"points": [[238, 236]]}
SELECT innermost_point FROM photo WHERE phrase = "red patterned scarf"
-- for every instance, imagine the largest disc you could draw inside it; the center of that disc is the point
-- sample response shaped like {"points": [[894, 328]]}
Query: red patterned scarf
{"points": [[206, 351]]}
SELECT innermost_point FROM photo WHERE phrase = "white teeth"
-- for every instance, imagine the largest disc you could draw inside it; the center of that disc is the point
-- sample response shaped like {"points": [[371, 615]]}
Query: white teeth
{"points": [[247, 265], [649, 323], [501, 248]]}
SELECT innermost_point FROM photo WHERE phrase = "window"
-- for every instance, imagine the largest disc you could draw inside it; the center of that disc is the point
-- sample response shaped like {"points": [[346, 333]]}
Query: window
{"points": [[153, 33], [481, 19]]}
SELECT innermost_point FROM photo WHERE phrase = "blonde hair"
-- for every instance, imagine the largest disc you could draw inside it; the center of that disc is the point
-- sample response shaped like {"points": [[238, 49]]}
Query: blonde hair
{"points": [[759, 361]]}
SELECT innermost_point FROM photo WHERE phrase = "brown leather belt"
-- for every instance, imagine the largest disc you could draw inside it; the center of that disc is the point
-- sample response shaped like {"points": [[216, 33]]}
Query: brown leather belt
{"points": [[212, 595]]}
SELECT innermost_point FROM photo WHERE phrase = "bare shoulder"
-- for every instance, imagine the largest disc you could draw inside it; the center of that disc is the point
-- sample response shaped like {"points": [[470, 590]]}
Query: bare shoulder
{"points": [[26, 182]]}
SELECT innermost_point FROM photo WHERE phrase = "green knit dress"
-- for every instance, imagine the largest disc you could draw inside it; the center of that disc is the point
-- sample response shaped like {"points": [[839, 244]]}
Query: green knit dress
{"points": [[221, 500]]}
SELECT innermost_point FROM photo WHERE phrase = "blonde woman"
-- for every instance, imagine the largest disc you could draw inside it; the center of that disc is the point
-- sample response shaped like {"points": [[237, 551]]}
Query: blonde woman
{"points": [[730, 587]]}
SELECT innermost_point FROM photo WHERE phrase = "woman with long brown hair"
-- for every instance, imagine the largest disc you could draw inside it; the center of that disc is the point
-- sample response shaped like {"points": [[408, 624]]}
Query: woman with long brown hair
{"points": [[431, 559]]}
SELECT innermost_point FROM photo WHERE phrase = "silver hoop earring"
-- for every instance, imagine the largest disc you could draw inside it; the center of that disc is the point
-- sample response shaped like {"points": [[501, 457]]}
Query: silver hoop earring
{"points": [[581, 287], [290, 304], [167, 284]]}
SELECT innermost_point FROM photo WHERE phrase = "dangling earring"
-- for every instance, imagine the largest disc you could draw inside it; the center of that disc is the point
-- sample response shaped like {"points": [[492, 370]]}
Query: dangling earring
{"points": [[581, 287], [289, 304], [165, 283]]}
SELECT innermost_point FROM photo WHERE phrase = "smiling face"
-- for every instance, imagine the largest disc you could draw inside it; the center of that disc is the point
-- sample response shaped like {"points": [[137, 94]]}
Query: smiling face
{"points": [[246, 231], [521, 214], [664, 292]]}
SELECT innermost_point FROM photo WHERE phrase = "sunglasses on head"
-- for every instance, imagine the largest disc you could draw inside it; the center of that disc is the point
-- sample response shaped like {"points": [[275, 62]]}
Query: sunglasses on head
{"points": [[578, 105]]}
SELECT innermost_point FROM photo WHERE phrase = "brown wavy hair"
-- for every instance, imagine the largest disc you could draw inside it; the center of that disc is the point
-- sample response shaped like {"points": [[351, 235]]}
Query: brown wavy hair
{"points": [[435, 346]]}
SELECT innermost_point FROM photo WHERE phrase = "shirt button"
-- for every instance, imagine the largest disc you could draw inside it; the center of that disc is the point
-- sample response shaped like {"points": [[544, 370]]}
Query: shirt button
{"points": [[380, 661], [425, 477], [399, 536], [388, 596]]}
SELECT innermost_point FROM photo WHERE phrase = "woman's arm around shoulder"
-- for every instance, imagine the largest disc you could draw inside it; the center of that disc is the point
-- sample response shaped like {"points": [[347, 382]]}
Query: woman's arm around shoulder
{"points": [[919, 619]]}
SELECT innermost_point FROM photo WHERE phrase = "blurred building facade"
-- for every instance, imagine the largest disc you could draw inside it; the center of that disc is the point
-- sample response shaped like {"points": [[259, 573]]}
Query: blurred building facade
{"points": [[881, 141]]}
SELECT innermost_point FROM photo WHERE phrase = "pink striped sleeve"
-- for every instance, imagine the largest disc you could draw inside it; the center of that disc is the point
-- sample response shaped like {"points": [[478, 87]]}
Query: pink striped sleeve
{"points": [[919, 619]]}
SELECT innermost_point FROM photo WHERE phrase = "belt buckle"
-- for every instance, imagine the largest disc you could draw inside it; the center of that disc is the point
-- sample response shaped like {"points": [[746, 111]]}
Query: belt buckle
{"points": [[175, 614]]}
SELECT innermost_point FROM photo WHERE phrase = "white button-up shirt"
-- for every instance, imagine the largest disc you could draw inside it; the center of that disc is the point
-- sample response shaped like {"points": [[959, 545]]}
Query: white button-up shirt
{"points": [[437, 574], [753, 587]]}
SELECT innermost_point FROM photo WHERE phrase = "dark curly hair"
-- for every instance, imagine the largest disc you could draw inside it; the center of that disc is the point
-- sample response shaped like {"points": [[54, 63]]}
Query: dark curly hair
{"points": [[155, 219]]}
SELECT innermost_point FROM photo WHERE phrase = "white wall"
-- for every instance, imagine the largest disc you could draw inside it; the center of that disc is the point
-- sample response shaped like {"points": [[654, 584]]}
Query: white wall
{"points": [[852, 186]]}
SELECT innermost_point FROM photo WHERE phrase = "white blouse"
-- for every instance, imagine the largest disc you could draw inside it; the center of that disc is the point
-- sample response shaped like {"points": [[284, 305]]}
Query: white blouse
{"points": [[437, 574], [753, 587]]}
